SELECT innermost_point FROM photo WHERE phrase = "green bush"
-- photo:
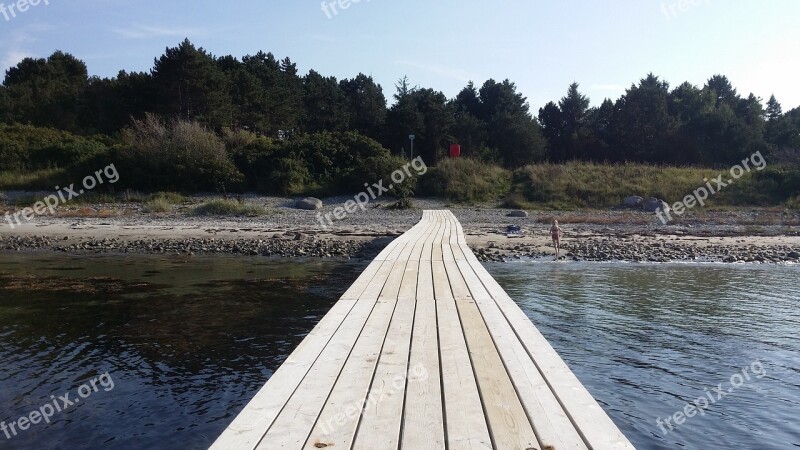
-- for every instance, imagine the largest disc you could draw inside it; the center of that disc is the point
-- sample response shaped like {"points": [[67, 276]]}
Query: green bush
{"points": [[158, 205], [175, 156], [321, 163], [162, 202], [378, 169], [29, 148]]}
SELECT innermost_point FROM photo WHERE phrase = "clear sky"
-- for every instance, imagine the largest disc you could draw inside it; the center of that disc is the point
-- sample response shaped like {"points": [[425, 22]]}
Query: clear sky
{"points": [[542, 46]]}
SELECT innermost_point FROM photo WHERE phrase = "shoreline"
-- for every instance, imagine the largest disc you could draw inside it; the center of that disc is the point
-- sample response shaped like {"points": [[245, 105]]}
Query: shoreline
{"points": [[744, 235]]}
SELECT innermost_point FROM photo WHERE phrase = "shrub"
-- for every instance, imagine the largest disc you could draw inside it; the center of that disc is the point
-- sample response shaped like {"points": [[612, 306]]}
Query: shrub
{"points": [[289, 177], [176, 156], [171, 198], [157, 205], [29, 148], [380, 168]]}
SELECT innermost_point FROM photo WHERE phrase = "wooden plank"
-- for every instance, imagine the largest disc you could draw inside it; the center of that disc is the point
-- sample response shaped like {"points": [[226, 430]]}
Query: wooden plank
{"points": [[423, 414], [594, 425], [339, 418], [383, 415], [465, 424], [551, 424], [424, 350], [291, 428], [508, 424]]}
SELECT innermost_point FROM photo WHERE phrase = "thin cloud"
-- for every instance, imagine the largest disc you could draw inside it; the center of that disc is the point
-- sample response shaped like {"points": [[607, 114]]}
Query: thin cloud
{"points": [[149, 32], [13, 57], [15, 47]]}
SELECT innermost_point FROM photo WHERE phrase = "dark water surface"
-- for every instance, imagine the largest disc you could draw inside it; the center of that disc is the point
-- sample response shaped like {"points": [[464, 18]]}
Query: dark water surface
{"points": [[648, 339], [186, 342]]}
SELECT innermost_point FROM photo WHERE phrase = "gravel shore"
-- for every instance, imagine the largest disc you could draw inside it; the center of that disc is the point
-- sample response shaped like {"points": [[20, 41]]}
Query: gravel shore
{"points": [[747, 235]]}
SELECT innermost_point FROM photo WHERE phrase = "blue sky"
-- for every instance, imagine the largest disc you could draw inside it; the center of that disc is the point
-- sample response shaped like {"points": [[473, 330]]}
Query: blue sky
{"points": [[541, 46]]}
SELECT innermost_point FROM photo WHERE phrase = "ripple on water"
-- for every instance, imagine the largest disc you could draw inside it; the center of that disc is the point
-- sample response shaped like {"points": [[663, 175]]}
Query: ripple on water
{"points": [[186, 345], [647, 339]]}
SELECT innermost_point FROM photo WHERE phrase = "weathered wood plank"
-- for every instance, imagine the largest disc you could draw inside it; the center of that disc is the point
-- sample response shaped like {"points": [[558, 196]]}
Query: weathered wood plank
{"points": [[465, 423], [592, 423], [339, 418], [424, 351], [508, 423], [423, 414], [551, 424]]}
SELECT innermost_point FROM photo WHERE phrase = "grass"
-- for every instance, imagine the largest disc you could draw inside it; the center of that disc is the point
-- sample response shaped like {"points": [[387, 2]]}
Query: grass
{"points": [[163, 202], [793, 203], [158, 205], [229, 208], [172, 198], [585, 185], [44, 179], [465, 180]]}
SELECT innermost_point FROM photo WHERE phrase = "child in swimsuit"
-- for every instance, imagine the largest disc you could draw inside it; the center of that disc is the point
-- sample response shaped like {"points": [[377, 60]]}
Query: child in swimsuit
{"points": [[555, 233]]}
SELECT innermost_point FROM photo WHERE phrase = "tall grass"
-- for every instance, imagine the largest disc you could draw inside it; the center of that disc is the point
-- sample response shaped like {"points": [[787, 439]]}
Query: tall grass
{"points": [[576, 185], [466, 180]]}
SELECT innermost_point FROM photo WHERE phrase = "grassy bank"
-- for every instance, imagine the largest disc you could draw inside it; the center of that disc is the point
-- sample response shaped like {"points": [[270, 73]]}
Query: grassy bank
{"points": [[544, 186], [585, 185], [578, 185]]}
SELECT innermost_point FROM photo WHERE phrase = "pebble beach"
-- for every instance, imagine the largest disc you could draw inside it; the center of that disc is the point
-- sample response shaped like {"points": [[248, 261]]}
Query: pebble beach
{"points": [[733, 236]]}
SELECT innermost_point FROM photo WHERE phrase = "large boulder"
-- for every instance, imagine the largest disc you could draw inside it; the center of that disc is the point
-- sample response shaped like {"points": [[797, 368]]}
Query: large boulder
{"points": [[654, 204], [309, 204], [633, 202], [518, 213]]}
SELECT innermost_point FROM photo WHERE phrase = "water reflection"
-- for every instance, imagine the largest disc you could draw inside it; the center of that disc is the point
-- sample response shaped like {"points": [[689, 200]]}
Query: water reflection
{"points": [[187, 342], [647, 339]]}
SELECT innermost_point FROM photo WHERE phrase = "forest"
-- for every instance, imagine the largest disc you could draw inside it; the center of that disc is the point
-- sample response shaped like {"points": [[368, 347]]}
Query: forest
{"points": [[199, 122]]}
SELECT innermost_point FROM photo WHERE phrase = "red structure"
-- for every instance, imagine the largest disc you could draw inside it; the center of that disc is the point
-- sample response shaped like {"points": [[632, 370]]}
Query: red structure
{"points": [[455, 150]]}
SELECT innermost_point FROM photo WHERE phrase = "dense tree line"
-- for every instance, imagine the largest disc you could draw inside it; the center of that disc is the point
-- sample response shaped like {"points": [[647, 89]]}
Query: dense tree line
{"points": [[651, 122]]}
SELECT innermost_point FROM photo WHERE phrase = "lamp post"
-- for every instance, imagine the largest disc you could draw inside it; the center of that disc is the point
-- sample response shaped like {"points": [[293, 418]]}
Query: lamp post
{"points": [[411, 138]]}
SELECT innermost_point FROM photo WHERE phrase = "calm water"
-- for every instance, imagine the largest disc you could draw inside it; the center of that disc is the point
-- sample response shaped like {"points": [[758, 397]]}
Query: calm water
{"points": [[188, 342], [647, 339]]}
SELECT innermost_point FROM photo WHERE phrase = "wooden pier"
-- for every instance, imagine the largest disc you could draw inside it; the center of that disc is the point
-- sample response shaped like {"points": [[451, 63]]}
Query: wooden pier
{"points": [[424, 351]]}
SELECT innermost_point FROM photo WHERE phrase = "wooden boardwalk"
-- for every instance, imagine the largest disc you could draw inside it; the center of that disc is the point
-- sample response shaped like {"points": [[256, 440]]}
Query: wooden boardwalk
{"points": [[424, 351]]}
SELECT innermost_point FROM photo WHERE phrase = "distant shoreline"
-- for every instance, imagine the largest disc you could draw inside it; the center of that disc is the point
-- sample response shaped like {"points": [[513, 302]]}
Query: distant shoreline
{"points": [[746, 234]]}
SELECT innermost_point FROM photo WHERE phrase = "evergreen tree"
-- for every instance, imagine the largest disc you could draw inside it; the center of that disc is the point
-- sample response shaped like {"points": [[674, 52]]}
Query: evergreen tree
{"points": [[191, 86], [367, 105], [774, 110]]}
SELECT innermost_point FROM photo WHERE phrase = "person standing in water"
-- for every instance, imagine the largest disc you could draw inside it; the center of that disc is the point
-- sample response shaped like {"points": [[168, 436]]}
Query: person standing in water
{"points": [[555, 233]]}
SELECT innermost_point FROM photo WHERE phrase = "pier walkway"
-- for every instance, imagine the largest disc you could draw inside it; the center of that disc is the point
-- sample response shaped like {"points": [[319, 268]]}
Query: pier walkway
{"points": [[424, 351]]}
